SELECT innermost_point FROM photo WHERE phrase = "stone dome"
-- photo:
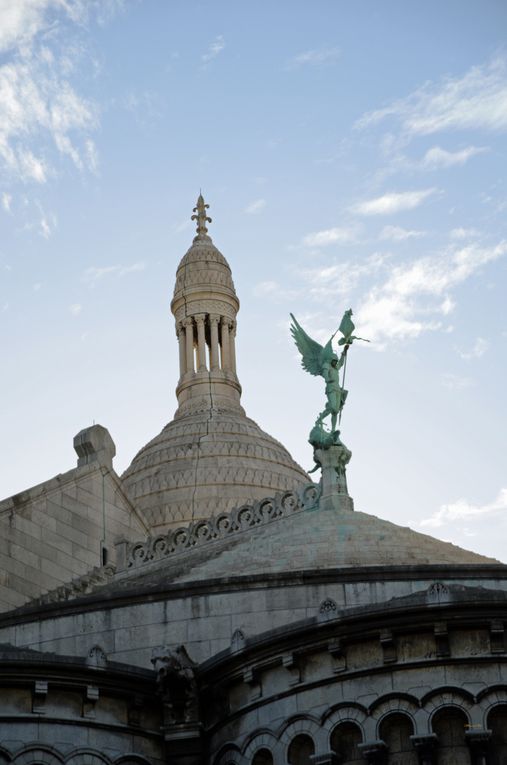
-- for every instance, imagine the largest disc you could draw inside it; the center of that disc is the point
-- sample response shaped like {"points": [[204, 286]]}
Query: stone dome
{"points": [[202, 267], [206, 463], [211, 457]]}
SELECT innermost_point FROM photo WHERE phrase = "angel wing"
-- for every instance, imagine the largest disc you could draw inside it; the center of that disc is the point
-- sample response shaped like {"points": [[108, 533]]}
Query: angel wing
{"points": [[314, 356]]}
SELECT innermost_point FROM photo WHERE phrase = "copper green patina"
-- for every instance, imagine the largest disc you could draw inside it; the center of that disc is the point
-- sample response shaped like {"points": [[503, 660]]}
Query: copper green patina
{"points": [[324, 361]]}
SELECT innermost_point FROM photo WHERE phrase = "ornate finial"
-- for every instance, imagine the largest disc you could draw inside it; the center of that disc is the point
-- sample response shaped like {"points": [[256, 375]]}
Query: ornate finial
{"points": [[201, 217]]}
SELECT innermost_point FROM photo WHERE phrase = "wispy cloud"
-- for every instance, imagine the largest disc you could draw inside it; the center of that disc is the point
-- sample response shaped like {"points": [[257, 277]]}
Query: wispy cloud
{"points": [[274, 291], [416, 295], [6, 202], [398, 234], [464, 510], [41, 113], [393, 202], [75, 309], [214, 49], [314, 57], [454, 382], [47, 221], [437, 157], [478, 99], [94, 274], [329, 236], [342, 277], [464, 233], [477, 350], [255, 207]]}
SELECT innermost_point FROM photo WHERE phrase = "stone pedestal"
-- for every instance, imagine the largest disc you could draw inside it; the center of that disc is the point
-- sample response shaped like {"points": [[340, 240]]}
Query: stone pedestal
{"points": [[184, 744], [334, 494]]}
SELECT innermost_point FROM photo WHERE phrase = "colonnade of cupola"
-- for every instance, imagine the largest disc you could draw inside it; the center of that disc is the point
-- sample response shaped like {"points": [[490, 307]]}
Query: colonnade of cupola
{"points": [[207, 343], [204, 306]]}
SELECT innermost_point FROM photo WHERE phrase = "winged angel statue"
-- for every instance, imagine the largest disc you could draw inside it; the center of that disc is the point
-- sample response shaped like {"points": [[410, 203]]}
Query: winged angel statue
{"points": [[319, 360]]}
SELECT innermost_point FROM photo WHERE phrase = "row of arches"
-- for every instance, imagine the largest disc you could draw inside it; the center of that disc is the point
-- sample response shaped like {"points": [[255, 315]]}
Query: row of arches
{"points": [[40, 754], [451, 740]]}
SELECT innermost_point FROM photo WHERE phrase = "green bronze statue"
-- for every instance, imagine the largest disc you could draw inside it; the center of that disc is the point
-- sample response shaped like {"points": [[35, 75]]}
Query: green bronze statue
{"points": [[319, 360], [329, 452]]}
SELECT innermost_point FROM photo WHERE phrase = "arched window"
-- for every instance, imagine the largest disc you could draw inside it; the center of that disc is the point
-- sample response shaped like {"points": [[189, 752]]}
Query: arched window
{"points": [[450, 726], [345, 740], [262, 757], [301, 749], [497, 724], [395, 732]]}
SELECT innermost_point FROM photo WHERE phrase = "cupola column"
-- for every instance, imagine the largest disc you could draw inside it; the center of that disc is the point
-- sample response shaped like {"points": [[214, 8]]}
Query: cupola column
{"points": [[232, 338], [183, 352], [214, 357], [201, 343], [189, 337], [226, 360]]}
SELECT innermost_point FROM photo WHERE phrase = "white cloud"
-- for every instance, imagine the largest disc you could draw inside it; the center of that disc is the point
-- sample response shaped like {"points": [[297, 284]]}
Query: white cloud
{"points": [[478, 349], [329, 236], [398, 234], [477, 100], [75, 309], [393, 202], [255, 207], [437, 157], [214, 49], [276, 292], [416, 295], [464, 233], [265, 288], [342, 277], [314, 57], [455, 382], [6, 202], [93, 274], [41, 114], [462, 509]]}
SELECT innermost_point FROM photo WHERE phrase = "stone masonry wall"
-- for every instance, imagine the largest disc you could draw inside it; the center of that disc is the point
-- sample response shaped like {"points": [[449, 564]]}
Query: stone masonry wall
{"points": [[56, 531]]}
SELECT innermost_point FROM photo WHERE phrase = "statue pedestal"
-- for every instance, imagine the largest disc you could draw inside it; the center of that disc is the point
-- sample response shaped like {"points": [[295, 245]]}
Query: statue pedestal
{"points": [[333, 483]]}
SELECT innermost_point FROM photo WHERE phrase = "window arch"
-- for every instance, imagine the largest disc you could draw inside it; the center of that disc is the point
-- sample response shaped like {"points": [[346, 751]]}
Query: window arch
{"points": [[300, 750], [262, 757], [497, 724], [450, 725], [345, 740], [395, 731]]}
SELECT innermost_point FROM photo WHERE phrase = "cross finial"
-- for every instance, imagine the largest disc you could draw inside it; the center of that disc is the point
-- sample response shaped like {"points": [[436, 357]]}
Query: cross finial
{"points": [[201, 217]]}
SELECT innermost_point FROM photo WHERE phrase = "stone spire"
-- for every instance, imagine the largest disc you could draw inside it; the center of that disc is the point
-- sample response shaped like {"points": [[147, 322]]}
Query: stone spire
{"points": [[204, 306]]}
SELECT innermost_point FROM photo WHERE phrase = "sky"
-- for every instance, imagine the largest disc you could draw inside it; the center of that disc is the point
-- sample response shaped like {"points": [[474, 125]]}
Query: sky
{"points": [[353, 155]]}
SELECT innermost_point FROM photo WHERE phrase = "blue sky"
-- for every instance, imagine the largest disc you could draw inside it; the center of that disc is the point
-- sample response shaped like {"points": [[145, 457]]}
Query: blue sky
{"points": [[353, 155]]}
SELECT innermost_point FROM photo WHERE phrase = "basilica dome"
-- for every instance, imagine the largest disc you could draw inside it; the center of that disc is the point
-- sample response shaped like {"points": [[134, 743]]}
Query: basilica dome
{"points": [[211, 457]]}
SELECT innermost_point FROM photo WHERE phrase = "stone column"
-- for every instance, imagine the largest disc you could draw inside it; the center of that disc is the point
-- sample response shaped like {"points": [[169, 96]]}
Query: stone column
{"points": [[183, 353], [189, 337], [478, 743], [213, 351], [425, 747], [232, 338], [201, 343], [226, 356]]}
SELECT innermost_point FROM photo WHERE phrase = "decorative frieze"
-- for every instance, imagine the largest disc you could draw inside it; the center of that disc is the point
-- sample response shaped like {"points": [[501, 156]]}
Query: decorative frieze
{"points": [[217, 527]]}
